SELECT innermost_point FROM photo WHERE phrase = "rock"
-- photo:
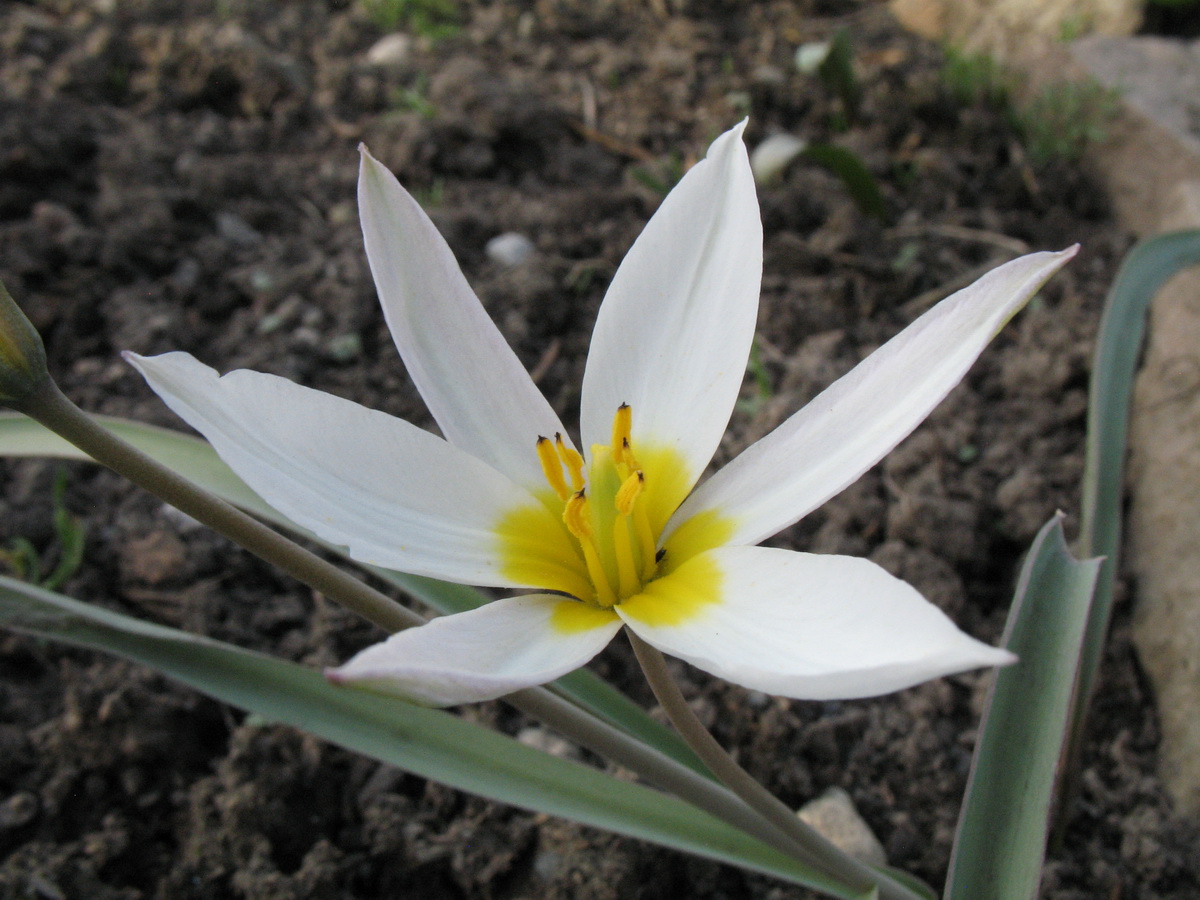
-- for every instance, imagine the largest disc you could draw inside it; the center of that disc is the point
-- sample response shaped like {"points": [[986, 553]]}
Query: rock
{"points": [[345, 348], [833, 815], [509, 249], [773, 155], [153, 559], [1150, 162], [810, 56], [1165, 542], [18, 810], [999, 27], [391, 51], [236, 230]]}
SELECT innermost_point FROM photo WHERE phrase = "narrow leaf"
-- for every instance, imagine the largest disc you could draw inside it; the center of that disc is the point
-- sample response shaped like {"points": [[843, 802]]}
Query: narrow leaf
{"points": [[1146, 268], [195, 459], [1002, 829], [430, 743], [859, 182]]}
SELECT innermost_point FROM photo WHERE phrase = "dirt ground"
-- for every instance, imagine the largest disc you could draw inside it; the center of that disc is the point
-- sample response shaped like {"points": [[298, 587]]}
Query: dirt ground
{"points": [[179, 174]]}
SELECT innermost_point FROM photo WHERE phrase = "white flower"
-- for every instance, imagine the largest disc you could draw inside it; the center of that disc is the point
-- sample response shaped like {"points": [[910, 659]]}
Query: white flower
{"points": [[620, 534]]}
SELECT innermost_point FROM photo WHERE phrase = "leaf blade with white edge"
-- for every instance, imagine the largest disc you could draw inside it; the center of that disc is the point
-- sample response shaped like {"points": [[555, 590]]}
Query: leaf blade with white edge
{"points": [[428, 743], [1145, 269], [1001, 840]]}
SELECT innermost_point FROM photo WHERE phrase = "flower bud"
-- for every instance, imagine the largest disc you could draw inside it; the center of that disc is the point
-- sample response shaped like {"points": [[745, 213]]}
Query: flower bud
{"points": [[22, 355]]}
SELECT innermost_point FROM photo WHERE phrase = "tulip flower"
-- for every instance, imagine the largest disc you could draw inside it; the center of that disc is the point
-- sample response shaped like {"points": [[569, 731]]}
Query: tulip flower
{"points": [[619, 532]]}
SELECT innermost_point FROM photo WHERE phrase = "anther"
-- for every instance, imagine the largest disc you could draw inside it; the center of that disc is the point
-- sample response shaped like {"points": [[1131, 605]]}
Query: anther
{"points": [[627, 455], [622, 427], [631, 488], [575, 516], [572, 460], [552, 467]]}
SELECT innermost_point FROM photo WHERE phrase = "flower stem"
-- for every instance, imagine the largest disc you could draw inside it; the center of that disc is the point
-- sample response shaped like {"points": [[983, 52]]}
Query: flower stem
{"points": [[49, 406], [807, 844]]}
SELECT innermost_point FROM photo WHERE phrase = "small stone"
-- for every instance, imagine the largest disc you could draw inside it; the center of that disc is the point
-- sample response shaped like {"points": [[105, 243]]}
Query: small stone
{"points": [[153, 559], [769, 76], [833, 815], [289, 309], [345, 347], [186, 275], [773, 155], [236, 230], [509, 249], [391, 50], [810, 56], [18, 810], [540, 739], [757, 700]]}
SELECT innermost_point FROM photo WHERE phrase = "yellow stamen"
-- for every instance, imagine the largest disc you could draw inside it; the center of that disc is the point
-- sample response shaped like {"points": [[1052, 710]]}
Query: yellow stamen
{"points": [[572, 460], [622, 426], [629, 491], [631, 462], [575, 517], [552, 467]]}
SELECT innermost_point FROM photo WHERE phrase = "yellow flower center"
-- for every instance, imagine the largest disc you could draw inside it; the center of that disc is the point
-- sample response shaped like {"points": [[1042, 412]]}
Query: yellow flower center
{"points": [[607, 512], [594, 534]]}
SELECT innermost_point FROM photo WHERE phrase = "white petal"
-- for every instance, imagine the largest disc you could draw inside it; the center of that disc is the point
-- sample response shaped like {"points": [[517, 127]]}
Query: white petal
{"points": [[674, 332], [804, 625], [858, 419], [395, 495], [485, 653], [469, 377]]}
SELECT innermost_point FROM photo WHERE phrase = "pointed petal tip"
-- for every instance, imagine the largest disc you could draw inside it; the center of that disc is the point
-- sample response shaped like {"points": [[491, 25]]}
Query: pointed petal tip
{"points": [[1067, 254], [729, 141], [1002, 657]]}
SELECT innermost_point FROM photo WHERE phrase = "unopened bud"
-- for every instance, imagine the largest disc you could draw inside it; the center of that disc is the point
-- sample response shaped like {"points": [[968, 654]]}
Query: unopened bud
{"points": [[22, 355]]}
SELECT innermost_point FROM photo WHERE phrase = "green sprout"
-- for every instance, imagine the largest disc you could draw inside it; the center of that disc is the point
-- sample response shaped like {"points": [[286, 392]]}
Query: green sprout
{"points": [[415, 98], [1064, 118], [761, 378], [662, 176], [837, 72], [976, 78], [27, 564], [433, 19]]}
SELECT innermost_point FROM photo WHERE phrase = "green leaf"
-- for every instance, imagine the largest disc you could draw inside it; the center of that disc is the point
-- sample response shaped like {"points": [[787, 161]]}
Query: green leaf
{"points": [[859, 182], [196, 460], [1002, 829], [429, 743], [837, 72], [1146, 268]]}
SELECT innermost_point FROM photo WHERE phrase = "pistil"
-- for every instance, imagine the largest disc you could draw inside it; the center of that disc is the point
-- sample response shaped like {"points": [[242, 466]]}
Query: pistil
{"points": [[576, 518], [616, 570]]}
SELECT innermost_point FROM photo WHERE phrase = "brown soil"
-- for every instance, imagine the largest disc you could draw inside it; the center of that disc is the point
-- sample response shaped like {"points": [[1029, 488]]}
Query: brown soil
{"points": [[180, 175]]}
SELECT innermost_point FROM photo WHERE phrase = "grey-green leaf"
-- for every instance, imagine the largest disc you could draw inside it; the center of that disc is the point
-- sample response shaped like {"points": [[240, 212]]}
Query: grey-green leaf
{"points": [[1002, 829], [1146, 268], [429, 743]]}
